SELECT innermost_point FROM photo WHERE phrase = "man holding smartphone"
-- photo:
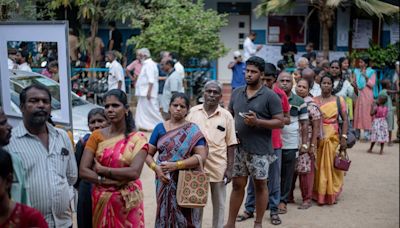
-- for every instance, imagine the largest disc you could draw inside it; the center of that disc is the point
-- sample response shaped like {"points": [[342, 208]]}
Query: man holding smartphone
{"points": [[217, 126]]}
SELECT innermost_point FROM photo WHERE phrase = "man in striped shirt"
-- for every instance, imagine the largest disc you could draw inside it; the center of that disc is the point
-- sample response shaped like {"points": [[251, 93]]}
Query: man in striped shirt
{"points": [[47, 157]]}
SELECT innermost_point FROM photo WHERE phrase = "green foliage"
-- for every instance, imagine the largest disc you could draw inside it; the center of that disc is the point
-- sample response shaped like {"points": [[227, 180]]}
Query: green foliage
{"points": [[379, 57], [183, 27], [12, 8]]}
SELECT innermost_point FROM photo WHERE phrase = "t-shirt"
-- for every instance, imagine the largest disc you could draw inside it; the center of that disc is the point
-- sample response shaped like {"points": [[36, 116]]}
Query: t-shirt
{"points": [[276, 133], [159, 131], [238, 75], [265, 103], [117, 37], [115, 75], [173, 83], [24, 216]]}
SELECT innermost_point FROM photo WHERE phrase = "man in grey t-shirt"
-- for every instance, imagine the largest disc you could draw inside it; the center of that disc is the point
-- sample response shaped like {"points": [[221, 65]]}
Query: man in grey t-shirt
{"points": [[256, 110], [172, 85]]}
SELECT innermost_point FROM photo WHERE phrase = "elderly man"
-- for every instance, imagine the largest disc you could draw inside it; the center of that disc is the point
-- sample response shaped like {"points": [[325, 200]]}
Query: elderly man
{"points": [[173, 84], [116, 79], [218, 127], [50, 162], [147, 111]]}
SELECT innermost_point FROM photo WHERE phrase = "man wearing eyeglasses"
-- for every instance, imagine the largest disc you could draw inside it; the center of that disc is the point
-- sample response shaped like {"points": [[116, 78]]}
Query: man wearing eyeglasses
{"points": [[238, 67]]}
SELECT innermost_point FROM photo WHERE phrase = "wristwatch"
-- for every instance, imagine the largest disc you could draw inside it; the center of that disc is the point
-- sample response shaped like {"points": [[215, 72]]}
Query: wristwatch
{"points": [[344, 136], [304, 146]]}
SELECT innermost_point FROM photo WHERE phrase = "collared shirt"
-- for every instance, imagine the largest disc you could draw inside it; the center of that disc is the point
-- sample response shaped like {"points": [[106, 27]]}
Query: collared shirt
{"points": [[116, 74], [148, 74], [25, 67], [265, 103], [249, 49], [179, 69], [50, 174], [219, 131], [298, 111], [174, 83]]}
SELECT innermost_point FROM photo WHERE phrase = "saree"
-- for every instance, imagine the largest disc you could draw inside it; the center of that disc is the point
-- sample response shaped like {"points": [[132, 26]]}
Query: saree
{"points": [[119, 206], [175, 145], [328, 181], [362, 119]]}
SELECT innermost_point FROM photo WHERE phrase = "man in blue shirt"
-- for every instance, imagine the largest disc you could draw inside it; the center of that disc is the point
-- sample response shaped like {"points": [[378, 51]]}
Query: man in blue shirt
{"points": [[238, 68]]}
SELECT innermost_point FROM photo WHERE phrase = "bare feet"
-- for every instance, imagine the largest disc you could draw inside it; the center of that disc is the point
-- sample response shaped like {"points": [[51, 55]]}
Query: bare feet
{"points": [[257, 224], [282, 208], [381, 152], [369, 151]]}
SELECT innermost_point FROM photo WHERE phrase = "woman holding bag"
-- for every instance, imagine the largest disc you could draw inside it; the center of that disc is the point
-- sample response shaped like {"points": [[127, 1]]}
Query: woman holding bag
{"points": [[328, 181], [179, 145]]}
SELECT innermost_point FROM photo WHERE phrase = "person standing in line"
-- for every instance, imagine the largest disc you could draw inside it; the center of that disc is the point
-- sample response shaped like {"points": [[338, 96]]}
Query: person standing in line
{"points": [[136, 67], [115, 37], [309, 75], [116, 79], [256, 110], [379, 133], [365, 80], [292, 134], [274, 173], [218, 127], [173, 84], [146, 89], [73, 45], [249, 48], [238, 68], [50, 160], [178, 65], [288, 50]]}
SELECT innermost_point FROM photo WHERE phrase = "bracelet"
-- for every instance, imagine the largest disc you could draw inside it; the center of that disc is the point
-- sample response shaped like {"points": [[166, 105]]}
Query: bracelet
{"points": [[153, 166], [312, 145], [99, 179], [344, 136], [109, 173], [180, 165]]}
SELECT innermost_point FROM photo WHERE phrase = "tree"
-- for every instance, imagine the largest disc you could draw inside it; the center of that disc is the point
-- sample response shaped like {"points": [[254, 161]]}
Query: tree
{"points": [[326, 10], [183, 27], [10, 8]]}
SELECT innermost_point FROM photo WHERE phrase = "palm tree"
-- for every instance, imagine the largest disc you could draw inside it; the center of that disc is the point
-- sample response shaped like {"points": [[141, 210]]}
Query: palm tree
{"points": [[326, 11]]}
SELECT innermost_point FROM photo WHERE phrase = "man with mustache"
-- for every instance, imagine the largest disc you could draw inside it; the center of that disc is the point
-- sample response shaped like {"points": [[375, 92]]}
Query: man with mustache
{"points": [[47, 157], [21, 58]]}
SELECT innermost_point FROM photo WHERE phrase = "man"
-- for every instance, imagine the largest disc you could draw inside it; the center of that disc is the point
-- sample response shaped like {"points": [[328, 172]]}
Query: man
{"points": [[178, 65], [290, 137], [218, 127], [173, 84], [115, 37], [73, 44], [249, 48], [256, 110], [50, 162], [116, 78], [5, 129], [274, 173], [98, 48], [147, 111], [288, 50], [238, 68], [309, 75], [21, 59]]}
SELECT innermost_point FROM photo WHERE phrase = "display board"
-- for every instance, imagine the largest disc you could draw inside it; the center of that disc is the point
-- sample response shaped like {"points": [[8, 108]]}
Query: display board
{"points": [[362, 33], [279, 26]]}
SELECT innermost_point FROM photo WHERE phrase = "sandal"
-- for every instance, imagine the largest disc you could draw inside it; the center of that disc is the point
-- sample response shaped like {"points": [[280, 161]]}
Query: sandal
{"points": [[304, 206], [246, 215], [282, 209], [275, 220]]}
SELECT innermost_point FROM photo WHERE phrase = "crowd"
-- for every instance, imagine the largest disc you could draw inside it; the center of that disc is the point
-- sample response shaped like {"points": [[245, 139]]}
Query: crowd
{"points": [[278, 127]]}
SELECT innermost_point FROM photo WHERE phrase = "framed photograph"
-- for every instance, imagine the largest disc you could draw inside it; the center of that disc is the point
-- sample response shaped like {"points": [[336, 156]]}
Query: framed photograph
{"points": [[35, 53]]}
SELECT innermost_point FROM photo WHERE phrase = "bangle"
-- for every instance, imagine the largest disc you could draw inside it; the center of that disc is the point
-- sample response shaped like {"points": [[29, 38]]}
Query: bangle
{"points": [[344, 136], [312, 145], [109, 173], [153, 166], [304, 146], [180, 165], [99, 179]]}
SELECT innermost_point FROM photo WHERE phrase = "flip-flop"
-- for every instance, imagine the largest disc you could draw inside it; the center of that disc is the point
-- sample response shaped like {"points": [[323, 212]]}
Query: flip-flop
{"points": [[246, 215], [304, 206], [275, 220], [282, 210]]}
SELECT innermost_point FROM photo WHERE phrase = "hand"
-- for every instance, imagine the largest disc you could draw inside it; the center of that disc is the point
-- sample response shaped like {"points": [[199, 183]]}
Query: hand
{"points": [[343, 143], [312, 150], [250, 119], [161, 175], [303, 150], [108, 181], [168, 167], [259, 47], [228, 175], [148, 96], [98, 168]]}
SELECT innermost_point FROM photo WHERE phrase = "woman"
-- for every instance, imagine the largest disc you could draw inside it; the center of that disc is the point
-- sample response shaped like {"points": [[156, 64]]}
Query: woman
{"points": [[118, 154], [344, 67], [328, 181], [314, 132], [96, 120], [176, 141], [13, 214], [341, 86], [365, 81]]}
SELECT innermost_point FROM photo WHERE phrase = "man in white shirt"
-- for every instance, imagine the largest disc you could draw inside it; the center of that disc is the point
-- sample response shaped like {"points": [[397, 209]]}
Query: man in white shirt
{"points": [[146, 89], [116, 79], [21, 59], [250, 49]]}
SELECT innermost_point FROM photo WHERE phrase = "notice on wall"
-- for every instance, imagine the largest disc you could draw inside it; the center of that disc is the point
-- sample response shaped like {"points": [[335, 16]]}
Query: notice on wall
{"points": [[362, 33], [394, 33]]}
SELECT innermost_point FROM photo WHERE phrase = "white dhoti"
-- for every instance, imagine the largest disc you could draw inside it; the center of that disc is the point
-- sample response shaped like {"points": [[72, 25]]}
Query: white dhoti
{"points": [[147, 113]]}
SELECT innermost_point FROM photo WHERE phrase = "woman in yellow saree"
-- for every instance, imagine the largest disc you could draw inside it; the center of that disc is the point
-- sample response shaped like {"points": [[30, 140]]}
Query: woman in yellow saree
{"points": [[113, 160], [328, 181]]}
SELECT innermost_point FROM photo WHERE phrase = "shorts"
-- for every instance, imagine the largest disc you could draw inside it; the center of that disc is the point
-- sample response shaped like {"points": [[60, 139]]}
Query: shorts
{"points": [[246, 164]]}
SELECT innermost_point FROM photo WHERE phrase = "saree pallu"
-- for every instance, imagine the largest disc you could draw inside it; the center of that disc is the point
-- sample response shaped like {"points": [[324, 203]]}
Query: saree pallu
{"points": [[328, 181], [175, 145], [119, 206]]}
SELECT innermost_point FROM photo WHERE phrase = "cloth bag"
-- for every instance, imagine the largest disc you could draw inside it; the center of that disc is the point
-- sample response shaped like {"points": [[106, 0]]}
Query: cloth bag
{"points": [[192, 189], [342, 161], [303, 164]]}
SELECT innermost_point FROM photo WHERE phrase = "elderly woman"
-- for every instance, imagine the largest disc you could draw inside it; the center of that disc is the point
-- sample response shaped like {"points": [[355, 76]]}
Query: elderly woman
{"points": [[177, 142]]}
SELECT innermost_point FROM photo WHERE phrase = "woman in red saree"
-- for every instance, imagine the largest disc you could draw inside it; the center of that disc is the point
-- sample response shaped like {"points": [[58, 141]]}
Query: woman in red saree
{"points": [[176, 141], [118, 155]]}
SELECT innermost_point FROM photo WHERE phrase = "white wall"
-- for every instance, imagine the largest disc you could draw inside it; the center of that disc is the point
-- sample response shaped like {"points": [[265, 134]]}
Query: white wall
{"points": [[343, 27]]}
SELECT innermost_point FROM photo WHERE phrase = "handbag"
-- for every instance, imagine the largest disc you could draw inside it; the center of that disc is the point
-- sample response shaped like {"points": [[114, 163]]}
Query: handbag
{"points": [[342, 161], [192, 188], [303, 163], [351, 136]]}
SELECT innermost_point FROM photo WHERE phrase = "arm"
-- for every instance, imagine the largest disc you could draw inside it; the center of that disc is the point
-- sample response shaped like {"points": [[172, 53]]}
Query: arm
{"points": [[345, 125], [72, 169], [231, 65], [111, 45], [188, 163], [373, 109], [371, 81], [85, 171], [286, 118], [275, 122], [149, 91], [230, 155], [303, 133], [314, 136]]}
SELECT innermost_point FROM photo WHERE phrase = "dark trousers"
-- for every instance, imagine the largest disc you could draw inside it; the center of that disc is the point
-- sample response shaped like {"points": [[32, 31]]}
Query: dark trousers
{"points": [[287, 173], [84, 210]]}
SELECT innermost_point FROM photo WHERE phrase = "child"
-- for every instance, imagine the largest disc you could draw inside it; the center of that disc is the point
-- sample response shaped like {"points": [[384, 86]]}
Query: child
{"points": [[380, 132], [386, 85]]}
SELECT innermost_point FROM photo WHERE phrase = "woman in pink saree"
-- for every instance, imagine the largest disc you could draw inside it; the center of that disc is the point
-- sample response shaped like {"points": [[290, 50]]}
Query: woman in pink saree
{"points": [[113, 160]]}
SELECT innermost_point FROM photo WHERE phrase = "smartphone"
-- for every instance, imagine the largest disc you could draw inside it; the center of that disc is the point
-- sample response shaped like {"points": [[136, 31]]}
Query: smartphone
{"points": [[243, 114]]}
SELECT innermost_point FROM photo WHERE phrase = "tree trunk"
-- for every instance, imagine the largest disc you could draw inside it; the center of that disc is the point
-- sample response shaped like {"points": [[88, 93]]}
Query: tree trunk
{"points": [[325, 40], [326, 17], [93, 30]]}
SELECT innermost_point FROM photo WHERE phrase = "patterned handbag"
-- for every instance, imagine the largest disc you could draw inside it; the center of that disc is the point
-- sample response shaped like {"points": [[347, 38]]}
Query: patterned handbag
{"points": [[303, 164], [342, 161], [192, 189]]}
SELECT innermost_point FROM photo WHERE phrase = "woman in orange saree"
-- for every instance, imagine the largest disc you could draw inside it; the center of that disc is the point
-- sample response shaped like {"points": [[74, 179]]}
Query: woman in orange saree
{"points": [[118, 155], [328, 181]]}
